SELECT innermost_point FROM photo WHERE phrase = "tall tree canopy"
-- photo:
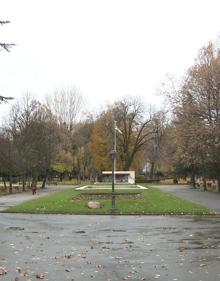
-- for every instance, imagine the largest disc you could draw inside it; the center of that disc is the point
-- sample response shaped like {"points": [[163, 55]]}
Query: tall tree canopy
{"points": [[197, 115], [136, 127]]}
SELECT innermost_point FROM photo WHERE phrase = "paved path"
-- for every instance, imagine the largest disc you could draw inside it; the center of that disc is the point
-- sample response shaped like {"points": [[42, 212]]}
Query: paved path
{"points": [[207, 199], [110, 248], [17, 198]]}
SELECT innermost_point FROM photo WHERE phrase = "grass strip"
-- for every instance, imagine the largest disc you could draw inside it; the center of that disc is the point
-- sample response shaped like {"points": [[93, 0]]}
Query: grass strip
{"points": [[151, 202]]}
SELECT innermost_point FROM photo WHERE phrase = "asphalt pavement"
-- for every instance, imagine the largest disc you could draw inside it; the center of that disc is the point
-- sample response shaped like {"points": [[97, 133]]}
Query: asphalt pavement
{"points": [[207, 199], [109, 248]]}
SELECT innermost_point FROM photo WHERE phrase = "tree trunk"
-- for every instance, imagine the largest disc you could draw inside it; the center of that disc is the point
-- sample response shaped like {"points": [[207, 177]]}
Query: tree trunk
{"points": [[128, 161], [23, 183], [84, 173], [218, 180], [29, 182], [45, 180], [10, 183], [193, 181], [152, 171], [61, 177], [5, 184], [34, 182], [127, 165], [204, 183]]}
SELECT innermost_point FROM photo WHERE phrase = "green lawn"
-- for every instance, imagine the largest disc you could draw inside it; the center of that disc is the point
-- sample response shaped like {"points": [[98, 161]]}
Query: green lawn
{"points": [[150, 201]]}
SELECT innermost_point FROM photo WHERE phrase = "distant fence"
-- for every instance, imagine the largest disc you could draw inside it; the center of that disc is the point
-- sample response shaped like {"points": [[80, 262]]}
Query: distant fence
{"points": [[143, 180]]}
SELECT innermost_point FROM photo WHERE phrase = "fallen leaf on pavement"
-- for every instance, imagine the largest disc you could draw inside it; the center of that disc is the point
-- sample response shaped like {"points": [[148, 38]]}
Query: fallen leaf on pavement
{"points": [[40, 275], [67, 270], [3, 270], [18, 269]]}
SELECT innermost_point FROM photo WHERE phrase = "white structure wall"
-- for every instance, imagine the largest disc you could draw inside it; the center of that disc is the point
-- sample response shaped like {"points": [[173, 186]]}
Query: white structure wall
{"points": [[121, 176]]}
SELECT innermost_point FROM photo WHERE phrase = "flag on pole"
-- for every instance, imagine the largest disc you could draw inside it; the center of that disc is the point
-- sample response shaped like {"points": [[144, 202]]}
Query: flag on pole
{"points": [[118, 130]]}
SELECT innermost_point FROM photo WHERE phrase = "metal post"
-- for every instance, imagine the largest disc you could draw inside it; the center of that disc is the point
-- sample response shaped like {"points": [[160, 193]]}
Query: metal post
{"points": [[113, 155], [113, 209], [115, 149]]}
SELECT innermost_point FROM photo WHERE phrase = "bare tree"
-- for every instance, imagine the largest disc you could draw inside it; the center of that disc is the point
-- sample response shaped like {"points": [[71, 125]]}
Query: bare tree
{"points": [[197, 116], [153, 148], [66, 104], [7, 157], [135, 123], [5, 99], [6, 46], [81, 153], [35, 134]]}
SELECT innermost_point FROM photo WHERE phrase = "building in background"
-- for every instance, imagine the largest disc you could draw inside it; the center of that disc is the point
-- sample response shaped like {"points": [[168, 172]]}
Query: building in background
{"points": [[120, 176]]}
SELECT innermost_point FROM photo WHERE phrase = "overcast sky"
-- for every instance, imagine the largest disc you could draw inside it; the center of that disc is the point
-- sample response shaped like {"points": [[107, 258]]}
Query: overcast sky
{"points": [[104, 48]]}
